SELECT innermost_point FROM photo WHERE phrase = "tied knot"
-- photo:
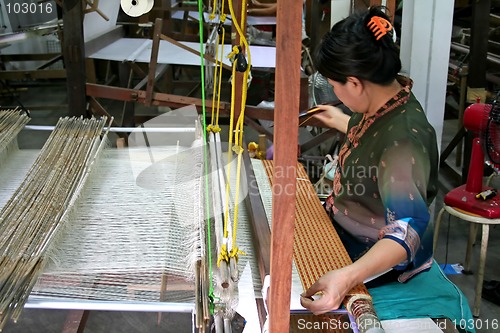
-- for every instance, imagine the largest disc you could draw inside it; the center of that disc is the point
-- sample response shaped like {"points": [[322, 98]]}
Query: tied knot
{"points": [[223, 255], [235, 253], [238, 149], [213, 129], [235, 51]]}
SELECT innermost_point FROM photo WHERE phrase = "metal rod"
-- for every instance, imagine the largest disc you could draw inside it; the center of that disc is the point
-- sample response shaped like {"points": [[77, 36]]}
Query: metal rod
{"points": [[125, 129], [37, 302]]}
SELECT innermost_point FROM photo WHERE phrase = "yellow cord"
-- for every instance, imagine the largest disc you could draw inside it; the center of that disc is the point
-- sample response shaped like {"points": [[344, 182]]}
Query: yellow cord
{"points": [[212, 15], [214, 124], [238, 133], [220, 78], [223, 250]]}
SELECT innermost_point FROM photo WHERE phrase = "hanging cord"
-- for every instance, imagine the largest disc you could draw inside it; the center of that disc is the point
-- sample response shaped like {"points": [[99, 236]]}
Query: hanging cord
{"points": [[221, 34], [239, 64], [205, 157]]}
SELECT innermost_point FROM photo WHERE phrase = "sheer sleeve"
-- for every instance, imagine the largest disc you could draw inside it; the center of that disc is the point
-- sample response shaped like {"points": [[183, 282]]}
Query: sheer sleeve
{"points": [[404, 172]]}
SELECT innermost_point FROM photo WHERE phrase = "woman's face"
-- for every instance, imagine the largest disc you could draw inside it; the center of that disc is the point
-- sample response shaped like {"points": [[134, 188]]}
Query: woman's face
{"points": [[345, 92]]}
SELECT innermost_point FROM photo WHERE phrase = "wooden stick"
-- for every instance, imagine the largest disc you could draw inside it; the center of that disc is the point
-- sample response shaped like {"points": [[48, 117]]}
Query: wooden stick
{"points": [[187, 48], [288, 47]]}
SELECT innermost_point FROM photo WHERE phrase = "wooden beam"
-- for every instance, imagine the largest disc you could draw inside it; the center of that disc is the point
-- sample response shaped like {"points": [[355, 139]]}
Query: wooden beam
{"points": [[390, 4], [33, 74], [75, 321], [477, 64], [98, 109], [287, 88], [479, 44], [318, 139], [27, 57], [260, 225], [50, 62], [162, 68], [153, 60], [74, 56], [259, 128], [260, 229], [125, 75], [193, 51], [162, 99]]}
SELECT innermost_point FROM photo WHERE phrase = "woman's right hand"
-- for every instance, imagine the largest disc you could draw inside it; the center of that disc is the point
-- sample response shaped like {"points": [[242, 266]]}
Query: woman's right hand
{"points": [[333, 117]]}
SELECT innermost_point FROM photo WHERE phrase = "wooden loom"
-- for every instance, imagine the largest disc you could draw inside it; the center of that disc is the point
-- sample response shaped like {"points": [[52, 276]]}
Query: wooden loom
{"points": [[287, 97], [56, 282], [308, 221], [317, 248]]}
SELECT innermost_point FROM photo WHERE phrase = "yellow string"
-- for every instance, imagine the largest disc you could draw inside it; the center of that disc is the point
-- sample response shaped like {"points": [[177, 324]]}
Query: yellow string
{"points": [[214, 124], [223, 250], [238, 138], [238, 133], [214, 7], [220, 77]]}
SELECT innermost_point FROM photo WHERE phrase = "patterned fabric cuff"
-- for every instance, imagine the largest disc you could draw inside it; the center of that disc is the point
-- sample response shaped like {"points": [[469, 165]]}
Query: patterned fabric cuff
{"points": [[402, 232]]}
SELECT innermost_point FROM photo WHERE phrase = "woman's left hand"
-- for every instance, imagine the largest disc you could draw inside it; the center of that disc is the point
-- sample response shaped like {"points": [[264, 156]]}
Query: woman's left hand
{"points": [[333, 287]]}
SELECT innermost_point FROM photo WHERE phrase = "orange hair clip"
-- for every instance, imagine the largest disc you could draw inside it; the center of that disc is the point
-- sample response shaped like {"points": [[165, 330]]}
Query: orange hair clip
{"points": [[379, 26]]}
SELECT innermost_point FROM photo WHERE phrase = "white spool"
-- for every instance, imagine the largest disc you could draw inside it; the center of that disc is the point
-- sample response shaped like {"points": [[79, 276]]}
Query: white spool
{"points": [[136, 8], [150, 5]]}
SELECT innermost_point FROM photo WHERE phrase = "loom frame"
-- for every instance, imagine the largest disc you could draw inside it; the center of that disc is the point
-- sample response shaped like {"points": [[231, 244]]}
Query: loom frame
{"points": [[79, 307]]}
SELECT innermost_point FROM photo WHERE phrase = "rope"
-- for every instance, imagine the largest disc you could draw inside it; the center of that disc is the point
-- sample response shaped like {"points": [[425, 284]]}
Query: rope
{"points": [[238, 61], [214, 125], [203, 106]]}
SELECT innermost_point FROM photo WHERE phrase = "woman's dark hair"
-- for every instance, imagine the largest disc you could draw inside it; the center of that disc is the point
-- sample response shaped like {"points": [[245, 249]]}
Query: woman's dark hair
{"points": [[350, 48]]}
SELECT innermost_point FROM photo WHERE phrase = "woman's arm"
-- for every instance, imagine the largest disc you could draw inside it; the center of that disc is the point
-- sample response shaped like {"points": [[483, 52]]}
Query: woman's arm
{"points": [[257, 8], [265, 10], [333, 117]]}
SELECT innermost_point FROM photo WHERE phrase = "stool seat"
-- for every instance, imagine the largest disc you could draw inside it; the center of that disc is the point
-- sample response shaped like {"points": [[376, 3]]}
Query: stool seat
{"points": [[464, 200], [475, 220]]}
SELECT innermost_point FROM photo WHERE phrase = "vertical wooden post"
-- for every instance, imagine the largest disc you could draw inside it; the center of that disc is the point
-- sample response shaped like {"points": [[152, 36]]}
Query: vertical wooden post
{"points": [[390, 4], [287, 87], [74, 56], [476, 79], [153, 61], [479, 44]]}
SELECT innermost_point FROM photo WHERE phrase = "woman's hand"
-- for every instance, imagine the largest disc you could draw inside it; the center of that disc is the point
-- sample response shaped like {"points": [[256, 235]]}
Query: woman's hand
{"points": [[333, 117], [333, 287]]}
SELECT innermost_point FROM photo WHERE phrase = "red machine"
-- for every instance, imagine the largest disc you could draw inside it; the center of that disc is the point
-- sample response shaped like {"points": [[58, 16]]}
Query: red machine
{"points": [[473, 197]]}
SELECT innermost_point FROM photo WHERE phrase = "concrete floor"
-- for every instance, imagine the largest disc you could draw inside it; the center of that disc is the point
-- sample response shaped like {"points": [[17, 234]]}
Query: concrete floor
{"points": [[451, 246]]}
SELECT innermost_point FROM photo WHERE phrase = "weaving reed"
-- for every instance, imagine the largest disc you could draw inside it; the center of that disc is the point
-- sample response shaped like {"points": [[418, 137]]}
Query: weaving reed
{"points": [[31, 219], [12, 122], [318, 249]]}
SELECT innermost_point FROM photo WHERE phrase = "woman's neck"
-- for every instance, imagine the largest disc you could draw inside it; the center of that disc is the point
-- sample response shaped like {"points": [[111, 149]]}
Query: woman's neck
{"points": [[380, 95]]}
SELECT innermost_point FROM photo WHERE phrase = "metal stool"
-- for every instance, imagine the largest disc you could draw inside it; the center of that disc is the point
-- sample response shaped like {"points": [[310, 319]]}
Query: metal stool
{"points": [[475, 220]]}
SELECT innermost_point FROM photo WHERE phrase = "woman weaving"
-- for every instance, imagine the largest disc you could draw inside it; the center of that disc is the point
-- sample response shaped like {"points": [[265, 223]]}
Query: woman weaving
{"points": [[387, 172]]}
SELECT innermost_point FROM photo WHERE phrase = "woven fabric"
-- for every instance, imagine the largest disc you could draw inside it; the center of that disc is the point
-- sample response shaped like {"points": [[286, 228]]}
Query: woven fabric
{"points": [[317, 247]]}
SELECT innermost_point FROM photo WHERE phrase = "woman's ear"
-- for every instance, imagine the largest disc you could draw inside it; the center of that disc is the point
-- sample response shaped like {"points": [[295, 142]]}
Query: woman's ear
{"points": [[356, 85]]}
